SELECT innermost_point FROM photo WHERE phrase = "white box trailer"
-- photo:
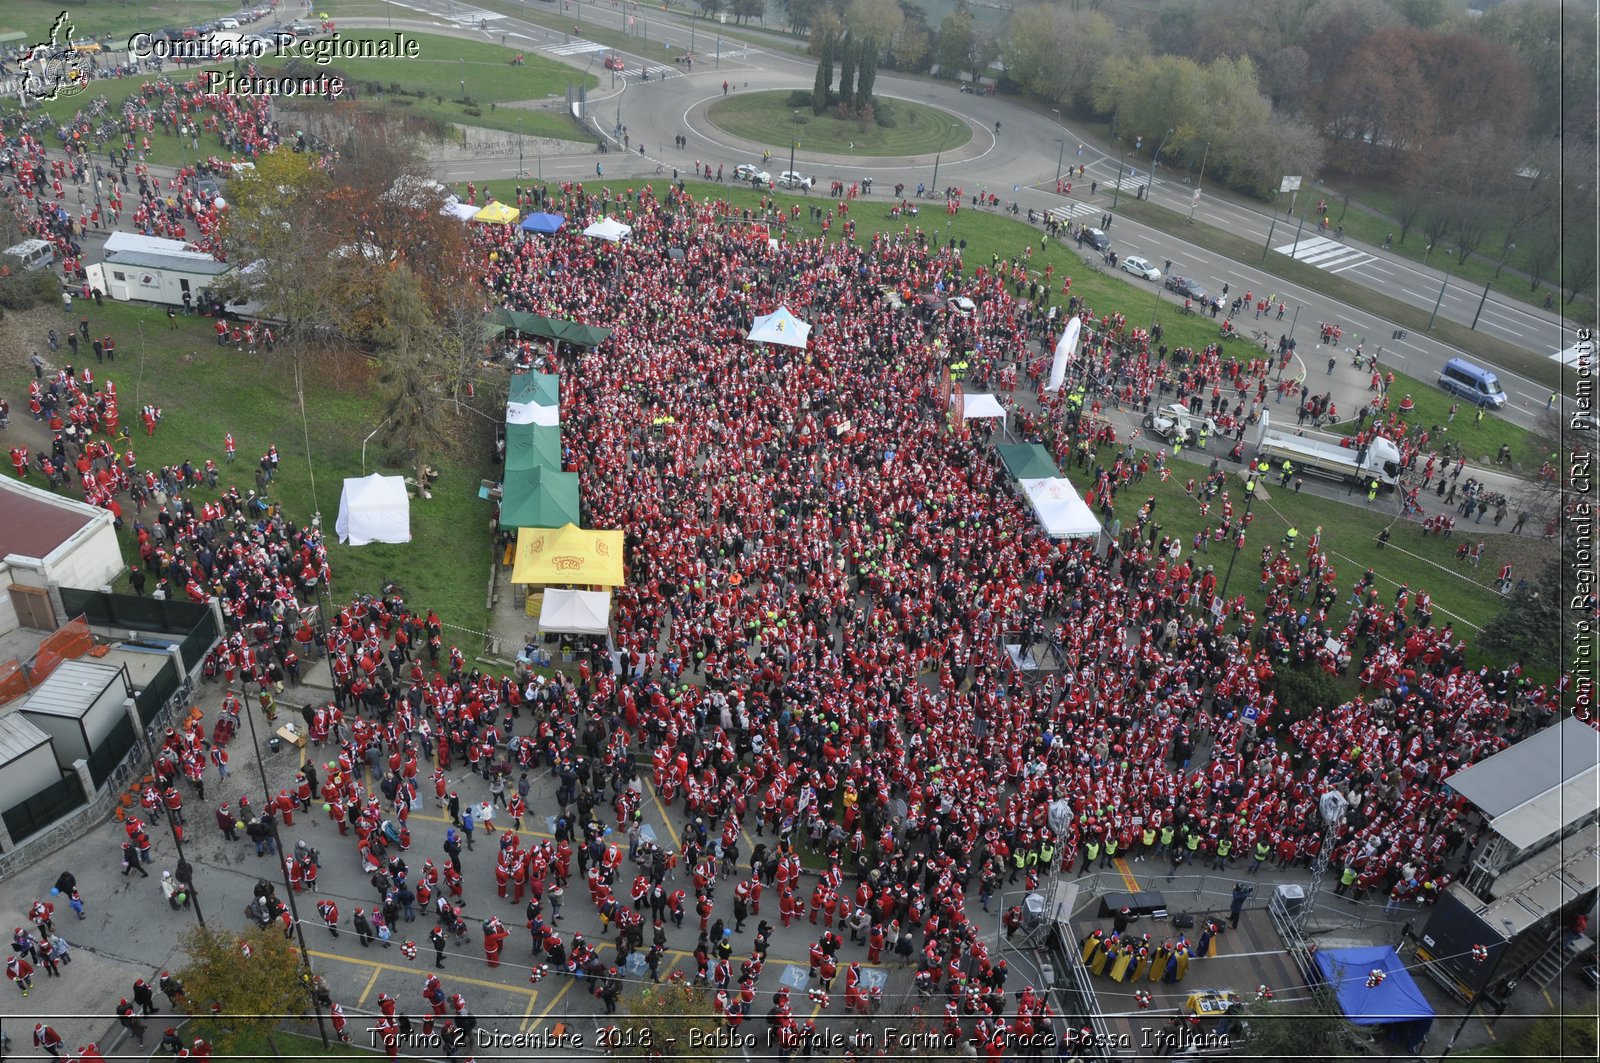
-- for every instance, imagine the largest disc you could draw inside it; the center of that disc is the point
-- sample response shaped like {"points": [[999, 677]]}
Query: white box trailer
{"points": [[154, 277], [1379, 460]]}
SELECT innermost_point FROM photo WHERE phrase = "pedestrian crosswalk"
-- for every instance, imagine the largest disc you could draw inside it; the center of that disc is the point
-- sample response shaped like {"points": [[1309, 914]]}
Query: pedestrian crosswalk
{"points": [[1325, 253], [1074, 210], [577, 47]]}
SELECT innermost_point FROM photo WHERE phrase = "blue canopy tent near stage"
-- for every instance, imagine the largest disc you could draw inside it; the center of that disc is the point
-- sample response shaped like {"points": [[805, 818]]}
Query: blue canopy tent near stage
{"points": [[1395, 1002]]}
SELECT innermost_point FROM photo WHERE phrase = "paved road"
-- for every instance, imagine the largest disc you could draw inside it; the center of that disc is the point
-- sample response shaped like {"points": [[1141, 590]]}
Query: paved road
{"points": [[1020, 162]]}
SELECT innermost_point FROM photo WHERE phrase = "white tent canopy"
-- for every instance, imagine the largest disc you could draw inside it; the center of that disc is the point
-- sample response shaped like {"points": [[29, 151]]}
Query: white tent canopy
{"points": [[608, 229], [1066, 351], [780, 327], [1061, 513], [374, 509], [982, 406], [458, 210], [577, 612], [533, 413]]}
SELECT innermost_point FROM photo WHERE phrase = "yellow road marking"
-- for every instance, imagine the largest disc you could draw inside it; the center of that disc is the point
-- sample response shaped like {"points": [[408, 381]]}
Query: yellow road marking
{"points": [[361, 1001], [412, 971], [527, 1016], [1127, 875], [565, 989]]}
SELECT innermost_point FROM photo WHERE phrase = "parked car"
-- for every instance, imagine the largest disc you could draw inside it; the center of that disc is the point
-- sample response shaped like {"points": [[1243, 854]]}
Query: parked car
{"points": [[227, 23], [1185, 287], [960, 304], [750, 172], [613, 61], [85, 44], [1097, 239], [1141, 267], [795, 179]]}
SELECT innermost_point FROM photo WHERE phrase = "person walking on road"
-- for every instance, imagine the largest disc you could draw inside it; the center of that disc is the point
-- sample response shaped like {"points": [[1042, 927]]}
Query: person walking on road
{"points": [[20, 971], [46, 1038], [129, 1021], [130, 860], [1241, 893], [145, 997]]}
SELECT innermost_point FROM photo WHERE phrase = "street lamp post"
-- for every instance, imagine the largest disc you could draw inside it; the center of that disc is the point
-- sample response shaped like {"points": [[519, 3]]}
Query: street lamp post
{"points": [[1249, 500], [1301, 224], [1155, 160], [1122, 166], [1060, 155], [794, 142], [288, 890], [1194, 200], [1437, 302], [463, 61], [1500, 265], [939, 155]]}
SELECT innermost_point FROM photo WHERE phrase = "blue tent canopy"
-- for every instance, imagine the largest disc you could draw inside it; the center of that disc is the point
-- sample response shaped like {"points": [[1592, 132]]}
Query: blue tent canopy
{"points": [[543, 223], [1395, 1000]]}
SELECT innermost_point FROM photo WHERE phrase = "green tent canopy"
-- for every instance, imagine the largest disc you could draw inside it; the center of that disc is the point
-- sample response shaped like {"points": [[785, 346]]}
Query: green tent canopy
{"points": [[539, 498], [551, 328], [541, 388], [1028, 461], [531, 446]]}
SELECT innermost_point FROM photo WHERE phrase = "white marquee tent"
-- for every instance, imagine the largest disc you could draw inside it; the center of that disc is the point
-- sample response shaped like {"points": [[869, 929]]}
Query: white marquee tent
{"points": [[982, 407], [577, 612], [533, 413], [609, 229], [780, 326], [374, 509], [1061, 513], [458, 210]]}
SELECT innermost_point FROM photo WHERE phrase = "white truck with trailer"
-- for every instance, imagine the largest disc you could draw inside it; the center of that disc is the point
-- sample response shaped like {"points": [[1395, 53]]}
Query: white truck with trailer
{"points": [[1378, 460], [1174, 421]]}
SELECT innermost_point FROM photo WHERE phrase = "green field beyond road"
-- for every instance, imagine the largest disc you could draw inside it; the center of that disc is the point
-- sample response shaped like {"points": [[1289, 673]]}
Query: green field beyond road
{"points": [[770, 119]]}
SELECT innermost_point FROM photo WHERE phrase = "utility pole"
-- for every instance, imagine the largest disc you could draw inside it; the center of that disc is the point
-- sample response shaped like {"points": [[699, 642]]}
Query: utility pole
{"points": [[1498, 267], [1437, 302], [1195, 200]]}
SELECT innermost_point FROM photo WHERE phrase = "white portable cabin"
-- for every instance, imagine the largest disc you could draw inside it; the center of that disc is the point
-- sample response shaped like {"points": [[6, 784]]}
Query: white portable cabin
{"points": [[78, 706], [154, 270]]}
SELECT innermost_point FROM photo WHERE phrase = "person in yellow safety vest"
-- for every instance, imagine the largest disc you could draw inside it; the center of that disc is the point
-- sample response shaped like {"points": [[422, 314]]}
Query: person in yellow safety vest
{"points": [[1111, 850], [1146, 840], [1033, 858], [1193, 844], [1290, 536], [1285, 472], [1250, 486], [1224, 849], [1263, 850], [1372, 492], [1202, 437], [1168, 832], [1047, 855], [1091, 853], [1019, 861], [1347, 878]]}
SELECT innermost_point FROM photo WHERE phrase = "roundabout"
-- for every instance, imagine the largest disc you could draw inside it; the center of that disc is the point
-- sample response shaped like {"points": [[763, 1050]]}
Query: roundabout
{"points": [[774, 118]]}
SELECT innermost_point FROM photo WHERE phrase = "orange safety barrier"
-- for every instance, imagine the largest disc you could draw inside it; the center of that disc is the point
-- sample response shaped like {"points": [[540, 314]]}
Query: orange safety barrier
{"points": [[13, 680]]}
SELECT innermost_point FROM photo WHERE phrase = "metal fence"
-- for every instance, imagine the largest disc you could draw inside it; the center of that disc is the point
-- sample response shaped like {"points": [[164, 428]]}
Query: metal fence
{"points": [[45, 807], [162, 686], [199, 641], [132, 611], [109, 753]]}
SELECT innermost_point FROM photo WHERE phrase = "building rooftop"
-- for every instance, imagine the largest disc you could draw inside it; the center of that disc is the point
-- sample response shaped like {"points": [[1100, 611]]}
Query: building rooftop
{"points": [[37, 522]]}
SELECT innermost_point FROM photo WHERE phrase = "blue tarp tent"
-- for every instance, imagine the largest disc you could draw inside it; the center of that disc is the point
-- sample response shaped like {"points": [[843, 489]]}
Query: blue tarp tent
{"points": [[543, 223], [1396, 1000]]}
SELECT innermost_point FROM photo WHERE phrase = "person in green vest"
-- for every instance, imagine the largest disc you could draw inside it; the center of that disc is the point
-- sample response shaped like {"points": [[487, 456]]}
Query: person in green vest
{"points": [[1263, 850], [1111, 850], [1290, 536], [1146, 840], [1168, 832], [1047, 854], [1372, 492], [1224, 850], [1019, 862], [1191, 845], [1285, 472], [1347, 878], [1091, 853]]}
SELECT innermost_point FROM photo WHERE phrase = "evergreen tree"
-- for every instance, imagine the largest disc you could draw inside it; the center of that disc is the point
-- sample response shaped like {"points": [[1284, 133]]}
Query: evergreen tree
{"points": [[824, 84], [847, 70], [866, 71], [1532, 627]]}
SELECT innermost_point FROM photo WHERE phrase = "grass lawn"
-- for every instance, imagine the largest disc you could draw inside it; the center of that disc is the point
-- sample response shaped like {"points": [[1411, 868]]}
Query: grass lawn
{"points": [[1370, 217], [119, 18], [1350, 534], [1481, 439], [602, 26], [1485, 348], [769, 118], [438, 74], [206, 391]]}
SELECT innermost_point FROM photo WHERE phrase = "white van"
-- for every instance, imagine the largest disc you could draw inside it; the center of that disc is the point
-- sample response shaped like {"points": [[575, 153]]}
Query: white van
{"points": [[34, 254]]}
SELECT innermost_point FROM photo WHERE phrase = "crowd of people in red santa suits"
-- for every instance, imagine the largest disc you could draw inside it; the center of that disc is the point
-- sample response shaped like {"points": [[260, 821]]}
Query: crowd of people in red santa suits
{"points": [[74, 178]]}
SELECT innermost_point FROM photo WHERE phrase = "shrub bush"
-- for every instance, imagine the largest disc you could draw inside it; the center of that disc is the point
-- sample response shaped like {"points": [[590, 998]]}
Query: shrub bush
{"points": [[1300, 690], [799, 98]]}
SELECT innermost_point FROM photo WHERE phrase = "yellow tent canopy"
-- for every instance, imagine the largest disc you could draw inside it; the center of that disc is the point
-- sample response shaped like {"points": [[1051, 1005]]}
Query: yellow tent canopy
{"points": [[497, 214], [568, 555]]}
